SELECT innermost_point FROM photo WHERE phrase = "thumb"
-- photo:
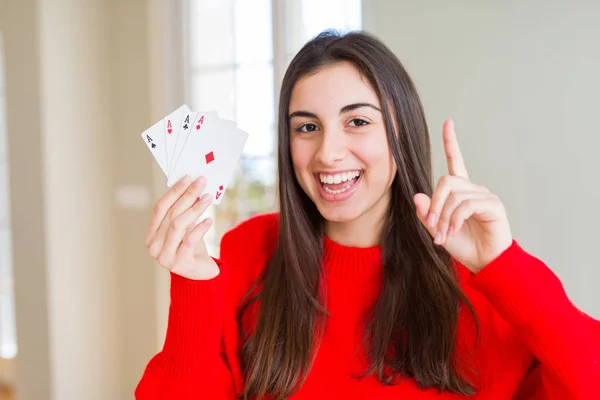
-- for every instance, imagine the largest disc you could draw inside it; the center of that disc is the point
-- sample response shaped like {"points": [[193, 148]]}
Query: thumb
{"points": [[422, 202]]}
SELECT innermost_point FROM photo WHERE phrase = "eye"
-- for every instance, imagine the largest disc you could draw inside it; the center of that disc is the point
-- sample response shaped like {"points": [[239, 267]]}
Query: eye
{"points": [[308, 127], [356, 122]]}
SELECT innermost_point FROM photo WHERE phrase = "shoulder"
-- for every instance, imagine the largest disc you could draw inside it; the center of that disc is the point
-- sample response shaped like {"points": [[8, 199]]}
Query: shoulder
{"points": [[250, 244], [253, 233]]}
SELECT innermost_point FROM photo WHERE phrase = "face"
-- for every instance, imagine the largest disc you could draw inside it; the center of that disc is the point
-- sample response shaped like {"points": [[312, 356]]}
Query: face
{"points": [[339, 145]]}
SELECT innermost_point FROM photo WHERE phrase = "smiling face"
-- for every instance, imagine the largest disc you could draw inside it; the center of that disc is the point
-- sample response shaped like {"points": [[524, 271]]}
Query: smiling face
{"points": [[339, 145]]}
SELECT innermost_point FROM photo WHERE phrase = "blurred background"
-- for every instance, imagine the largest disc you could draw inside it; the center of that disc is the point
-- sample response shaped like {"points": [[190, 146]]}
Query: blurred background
{"points": [[82, 306]]}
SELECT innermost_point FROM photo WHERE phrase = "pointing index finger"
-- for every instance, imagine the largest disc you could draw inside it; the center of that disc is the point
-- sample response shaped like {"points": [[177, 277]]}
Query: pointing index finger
{"points": [[454, 158]]}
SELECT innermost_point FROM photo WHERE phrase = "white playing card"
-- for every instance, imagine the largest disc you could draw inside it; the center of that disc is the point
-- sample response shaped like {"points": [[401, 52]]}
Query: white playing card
{"points": [[172, 126], [211, 151], [192, 158], [232, 141], [154, 138], [189, 123]]}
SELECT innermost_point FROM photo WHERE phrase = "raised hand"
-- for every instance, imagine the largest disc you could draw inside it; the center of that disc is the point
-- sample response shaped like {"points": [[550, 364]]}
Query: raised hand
{"points": [[173, 238], [465, 218]]}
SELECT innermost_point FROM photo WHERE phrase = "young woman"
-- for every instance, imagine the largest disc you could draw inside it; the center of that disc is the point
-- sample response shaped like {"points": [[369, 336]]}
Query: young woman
{"points": [[369, 283]]}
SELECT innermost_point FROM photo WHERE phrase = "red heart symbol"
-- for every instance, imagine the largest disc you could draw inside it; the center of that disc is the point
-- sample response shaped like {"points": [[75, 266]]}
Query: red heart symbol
{"points": [[169, 130]]}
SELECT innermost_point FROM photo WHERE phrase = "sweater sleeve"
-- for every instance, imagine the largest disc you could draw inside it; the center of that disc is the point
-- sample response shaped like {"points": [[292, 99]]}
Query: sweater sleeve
{"points": [[191, 366], [565, 341]]}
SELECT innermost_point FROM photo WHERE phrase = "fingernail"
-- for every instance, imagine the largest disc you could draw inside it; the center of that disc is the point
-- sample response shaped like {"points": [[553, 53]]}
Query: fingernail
{"points": [[199, 181], [186, 180], [205, 198], [208, 221], [438, 238], [451, 231], [431, 220]]}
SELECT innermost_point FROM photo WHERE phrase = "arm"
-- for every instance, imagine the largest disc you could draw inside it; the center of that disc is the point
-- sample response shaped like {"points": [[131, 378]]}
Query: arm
{"points": [[191, 366], [565, 341]]}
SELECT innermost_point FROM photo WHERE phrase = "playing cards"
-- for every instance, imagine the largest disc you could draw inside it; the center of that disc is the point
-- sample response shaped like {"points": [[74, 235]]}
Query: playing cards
{"points": [[192, 143]]}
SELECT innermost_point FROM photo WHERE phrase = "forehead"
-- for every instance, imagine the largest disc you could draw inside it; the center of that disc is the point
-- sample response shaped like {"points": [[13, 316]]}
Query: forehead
{"points": [[331, 88]]}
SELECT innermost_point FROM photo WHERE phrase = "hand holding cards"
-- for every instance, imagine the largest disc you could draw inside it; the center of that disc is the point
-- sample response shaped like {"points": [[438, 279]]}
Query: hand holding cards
{"points": [[197, 144]]}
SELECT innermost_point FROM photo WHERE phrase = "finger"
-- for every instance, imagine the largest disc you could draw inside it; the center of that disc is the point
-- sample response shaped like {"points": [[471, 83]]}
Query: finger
{"points": [[446, 185], [455, 199], [193, 238], [188, 198], [454, 158], [179, 227], [164, 205], [185, 201], [469, 208], [422, 203]]}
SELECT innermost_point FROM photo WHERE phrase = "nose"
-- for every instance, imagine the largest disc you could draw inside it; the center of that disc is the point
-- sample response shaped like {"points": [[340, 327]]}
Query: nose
{"points": [[333, 147]]}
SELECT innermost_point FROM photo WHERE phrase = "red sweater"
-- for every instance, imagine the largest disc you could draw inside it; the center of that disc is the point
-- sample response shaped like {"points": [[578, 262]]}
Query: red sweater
{"points": [[524, 314]]}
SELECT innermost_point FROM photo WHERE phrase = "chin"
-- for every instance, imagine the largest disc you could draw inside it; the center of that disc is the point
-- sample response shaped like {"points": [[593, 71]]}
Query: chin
{"points": [[339, 213]]}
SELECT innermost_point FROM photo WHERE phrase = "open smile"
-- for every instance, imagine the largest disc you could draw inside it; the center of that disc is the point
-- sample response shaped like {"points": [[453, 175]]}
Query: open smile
{"points": [[338, 186]]}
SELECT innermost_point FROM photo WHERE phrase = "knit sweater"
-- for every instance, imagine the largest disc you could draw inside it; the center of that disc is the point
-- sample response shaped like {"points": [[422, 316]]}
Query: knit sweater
{"points": [[533, 342]]}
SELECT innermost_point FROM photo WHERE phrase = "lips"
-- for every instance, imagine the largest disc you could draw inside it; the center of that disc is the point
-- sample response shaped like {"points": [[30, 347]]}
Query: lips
{"points": [[339, 186], [335, 183]]}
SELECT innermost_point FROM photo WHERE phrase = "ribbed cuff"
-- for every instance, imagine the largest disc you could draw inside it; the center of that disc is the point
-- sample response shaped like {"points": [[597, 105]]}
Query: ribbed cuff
{"points": [[521, 287], [193, 337]]}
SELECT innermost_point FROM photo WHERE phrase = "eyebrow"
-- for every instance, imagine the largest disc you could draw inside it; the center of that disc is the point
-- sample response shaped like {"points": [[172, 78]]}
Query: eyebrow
{"points": [[345, 109], [302, 114], [352, 107]]}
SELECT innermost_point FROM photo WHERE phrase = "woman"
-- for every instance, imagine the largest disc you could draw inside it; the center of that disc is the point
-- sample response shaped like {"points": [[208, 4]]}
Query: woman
{"points": [[369, 283]]}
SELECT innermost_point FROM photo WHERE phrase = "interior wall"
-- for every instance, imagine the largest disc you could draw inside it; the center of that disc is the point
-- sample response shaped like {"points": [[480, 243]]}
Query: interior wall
{"points": [[521, 81], [78, 179], [131, 85], [82, 187], [29, 228]]}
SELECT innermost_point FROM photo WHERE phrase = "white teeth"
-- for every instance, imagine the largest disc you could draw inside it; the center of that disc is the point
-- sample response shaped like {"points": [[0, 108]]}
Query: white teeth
{"points": [[342, 190], [339, 178]]}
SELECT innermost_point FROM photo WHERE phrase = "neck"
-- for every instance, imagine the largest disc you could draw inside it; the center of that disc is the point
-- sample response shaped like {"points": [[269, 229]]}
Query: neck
{"points": [[363, 231]]}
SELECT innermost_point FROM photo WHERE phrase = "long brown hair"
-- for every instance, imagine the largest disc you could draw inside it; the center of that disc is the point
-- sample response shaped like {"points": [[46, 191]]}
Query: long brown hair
{"points": [[411, 329]]}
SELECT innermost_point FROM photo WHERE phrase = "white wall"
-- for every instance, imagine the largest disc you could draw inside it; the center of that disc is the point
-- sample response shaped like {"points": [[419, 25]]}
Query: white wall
{"points": [[520, 79], [27, 199], [80, 89], [77, 141]]}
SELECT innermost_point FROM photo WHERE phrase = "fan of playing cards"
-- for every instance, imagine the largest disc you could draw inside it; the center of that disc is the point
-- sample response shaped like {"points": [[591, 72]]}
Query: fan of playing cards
{"points": [[197, 144]]}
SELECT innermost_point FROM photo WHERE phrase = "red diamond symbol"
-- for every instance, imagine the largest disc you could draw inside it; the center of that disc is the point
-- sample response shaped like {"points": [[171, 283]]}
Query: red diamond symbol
{"points": [[210, 157], [221, 187]]}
